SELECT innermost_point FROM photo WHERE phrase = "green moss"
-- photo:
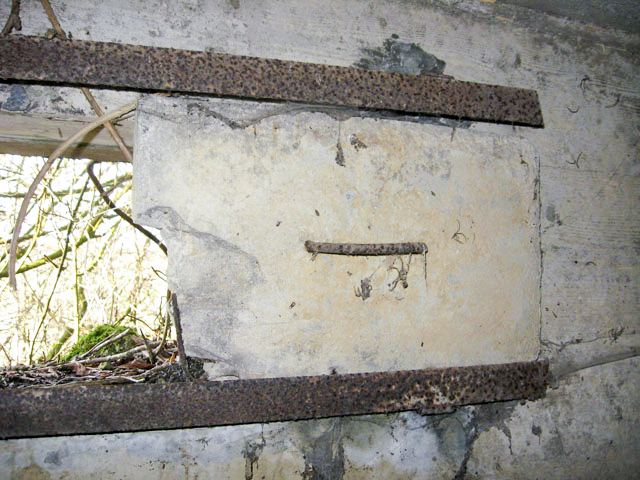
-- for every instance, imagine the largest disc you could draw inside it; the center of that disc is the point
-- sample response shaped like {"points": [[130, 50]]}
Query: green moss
{"points": [[97, 335]]}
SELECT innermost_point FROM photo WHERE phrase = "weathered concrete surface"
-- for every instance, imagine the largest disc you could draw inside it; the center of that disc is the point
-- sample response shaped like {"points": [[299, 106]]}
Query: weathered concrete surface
{"points": [[617, 14], [586, 427], [390, 447], [236, 196]]}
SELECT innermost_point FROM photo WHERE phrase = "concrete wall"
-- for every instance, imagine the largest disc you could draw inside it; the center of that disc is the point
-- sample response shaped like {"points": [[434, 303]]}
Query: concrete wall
{"points": [[236, 193], [586, 76]]}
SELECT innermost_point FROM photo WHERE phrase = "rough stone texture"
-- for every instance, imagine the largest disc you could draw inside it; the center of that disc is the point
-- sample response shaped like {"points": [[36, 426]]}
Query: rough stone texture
{"points": [[588, 425], [236, 199]]}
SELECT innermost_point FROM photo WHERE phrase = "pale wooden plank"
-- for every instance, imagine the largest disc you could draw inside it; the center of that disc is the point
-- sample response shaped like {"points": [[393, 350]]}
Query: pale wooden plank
{"points": [[38, 135]]}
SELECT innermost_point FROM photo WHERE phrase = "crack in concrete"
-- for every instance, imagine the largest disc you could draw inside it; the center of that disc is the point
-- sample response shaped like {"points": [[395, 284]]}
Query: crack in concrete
{"points": [[288, 108], [537, 195]]}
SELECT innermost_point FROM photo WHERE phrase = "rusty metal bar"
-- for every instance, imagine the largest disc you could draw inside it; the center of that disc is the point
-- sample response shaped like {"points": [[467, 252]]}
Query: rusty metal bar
{"points": [[366, 249], [121, 408], [124, 66]]}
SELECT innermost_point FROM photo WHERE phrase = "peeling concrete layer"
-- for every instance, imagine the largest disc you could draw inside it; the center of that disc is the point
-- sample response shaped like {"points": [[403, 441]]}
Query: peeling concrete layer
{"points": [[238, 188]]}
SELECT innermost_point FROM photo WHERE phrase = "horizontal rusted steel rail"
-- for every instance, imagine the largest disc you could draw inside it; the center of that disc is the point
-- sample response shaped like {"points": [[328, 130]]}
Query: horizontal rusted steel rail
{"points": [[84, 409], [116, 65], [366, 249]]}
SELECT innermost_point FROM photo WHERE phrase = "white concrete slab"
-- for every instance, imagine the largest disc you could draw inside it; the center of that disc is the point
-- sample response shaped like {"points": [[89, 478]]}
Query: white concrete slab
{"points": [[238, 187]]}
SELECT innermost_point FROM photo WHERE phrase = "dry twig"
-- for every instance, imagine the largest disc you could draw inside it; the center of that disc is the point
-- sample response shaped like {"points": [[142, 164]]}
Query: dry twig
{"points": [[14, 19], [59, 272], [123, 215], [148, 346], [167, 326], [176, 321], [114, 337], [117, 356]]}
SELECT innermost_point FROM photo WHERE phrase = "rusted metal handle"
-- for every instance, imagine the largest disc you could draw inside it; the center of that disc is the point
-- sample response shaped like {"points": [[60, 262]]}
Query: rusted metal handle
{"points": [[365, 249]]}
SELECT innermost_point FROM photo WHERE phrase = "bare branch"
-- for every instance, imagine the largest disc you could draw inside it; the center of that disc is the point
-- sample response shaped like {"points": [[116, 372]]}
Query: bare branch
{"points": [[123, 215], [60, 268], [43, 171], [114, 337], [14, 19], [149, 349], [117, 356], [167, 326], [90, 234], [109, 185], [181, 350], [92, 101]]}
